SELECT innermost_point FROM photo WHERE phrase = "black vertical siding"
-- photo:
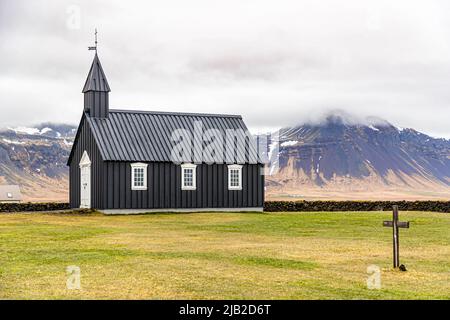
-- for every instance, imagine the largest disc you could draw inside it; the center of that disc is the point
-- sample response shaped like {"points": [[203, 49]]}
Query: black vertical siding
{"points": [[111, 183], [85, 142], [164, 187], [96, 103]]}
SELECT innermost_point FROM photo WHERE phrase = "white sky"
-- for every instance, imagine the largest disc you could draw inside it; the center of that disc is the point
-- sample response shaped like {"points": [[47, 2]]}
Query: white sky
{"points": [[277, 63]]}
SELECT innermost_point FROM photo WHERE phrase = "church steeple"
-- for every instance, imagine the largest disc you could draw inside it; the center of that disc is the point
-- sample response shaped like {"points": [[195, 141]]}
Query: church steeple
{"points": [[96, 90], [96, 80]]}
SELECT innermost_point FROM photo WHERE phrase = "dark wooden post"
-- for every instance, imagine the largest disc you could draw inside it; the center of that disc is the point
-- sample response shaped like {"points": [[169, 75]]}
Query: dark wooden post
{"points": [[395, 224], [395, 236]]}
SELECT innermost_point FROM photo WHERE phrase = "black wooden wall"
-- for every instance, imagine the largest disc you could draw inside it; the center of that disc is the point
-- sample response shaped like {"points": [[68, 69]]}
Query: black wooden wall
{"points": [[111, 183], [164, 187]]}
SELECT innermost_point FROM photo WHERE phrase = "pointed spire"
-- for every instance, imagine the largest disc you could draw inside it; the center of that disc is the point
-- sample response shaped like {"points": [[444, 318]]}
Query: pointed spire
{"points": [[96, 80]]}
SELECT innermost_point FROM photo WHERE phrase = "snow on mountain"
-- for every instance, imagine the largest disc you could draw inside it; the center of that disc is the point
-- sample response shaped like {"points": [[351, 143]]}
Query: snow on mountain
{"points": [[47, 129], [30, 131], [341, 155], [35, 159]]}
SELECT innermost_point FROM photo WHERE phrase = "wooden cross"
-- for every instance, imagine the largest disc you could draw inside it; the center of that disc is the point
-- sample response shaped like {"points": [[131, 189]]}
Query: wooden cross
{"points": [[395, 224]]}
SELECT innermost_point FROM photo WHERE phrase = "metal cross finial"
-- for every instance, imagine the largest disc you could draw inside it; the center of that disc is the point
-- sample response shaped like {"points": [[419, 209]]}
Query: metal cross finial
{"points": [[94, 47]]}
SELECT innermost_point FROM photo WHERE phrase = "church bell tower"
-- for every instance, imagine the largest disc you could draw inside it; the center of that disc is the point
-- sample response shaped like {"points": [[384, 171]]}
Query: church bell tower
{"points": [[96, 89]]}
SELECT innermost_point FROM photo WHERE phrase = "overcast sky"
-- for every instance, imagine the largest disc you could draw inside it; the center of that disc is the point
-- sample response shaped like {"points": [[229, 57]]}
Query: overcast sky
{"points": [[275, 62]]}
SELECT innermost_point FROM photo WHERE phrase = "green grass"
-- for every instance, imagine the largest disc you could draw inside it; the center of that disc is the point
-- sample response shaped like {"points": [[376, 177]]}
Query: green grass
{"points": [[222, 256]]}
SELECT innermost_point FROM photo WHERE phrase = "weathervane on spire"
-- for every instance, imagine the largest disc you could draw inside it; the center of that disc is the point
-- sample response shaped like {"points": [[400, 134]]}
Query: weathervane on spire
{"points": [[94, 47]]}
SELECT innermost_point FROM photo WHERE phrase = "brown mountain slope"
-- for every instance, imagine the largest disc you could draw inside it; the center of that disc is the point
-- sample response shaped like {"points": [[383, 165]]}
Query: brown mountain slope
{"points": [[35, 159], [340, 160]]}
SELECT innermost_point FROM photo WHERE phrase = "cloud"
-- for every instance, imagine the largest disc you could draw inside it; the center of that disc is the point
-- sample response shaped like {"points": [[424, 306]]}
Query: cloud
{"points": [[276, 63]]}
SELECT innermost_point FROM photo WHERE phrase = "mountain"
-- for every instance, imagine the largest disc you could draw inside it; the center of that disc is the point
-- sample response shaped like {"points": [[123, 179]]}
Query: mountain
{"points": [[35, 159], [335, 159], [344, 160]]}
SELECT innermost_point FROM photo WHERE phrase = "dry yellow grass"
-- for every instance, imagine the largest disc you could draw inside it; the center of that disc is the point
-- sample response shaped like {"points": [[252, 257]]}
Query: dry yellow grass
{"points": [[222, 256]]}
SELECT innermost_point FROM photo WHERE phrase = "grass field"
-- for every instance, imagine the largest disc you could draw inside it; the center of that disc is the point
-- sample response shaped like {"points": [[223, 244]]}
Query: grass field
{"points": [[222, 256]]}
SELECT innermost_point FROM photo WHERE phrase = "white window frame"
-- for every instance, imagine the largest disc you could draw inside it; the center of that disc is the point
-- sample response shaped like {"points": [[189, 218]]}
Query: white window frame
{"points": [[234, 167], [194, 176], [139, 165]]}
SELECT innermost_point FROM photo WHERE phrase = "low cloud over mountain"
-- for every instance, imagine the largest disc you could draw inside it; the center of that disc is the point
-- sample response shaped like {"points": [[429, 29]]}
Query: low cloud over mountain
{"points": [[345, 157]]}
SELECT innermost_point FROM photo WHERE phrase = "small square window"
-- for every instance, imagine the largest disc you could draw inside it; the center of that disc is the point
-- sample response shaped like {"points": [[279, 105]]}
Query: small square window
{"points": [[9, 195], [139, 176], [235, 177], [188, 176]]}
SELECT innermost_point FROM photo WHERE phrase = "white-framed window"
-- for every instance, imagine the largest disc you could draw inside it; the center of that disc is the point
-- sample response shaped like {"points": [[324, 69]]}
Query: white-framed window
{"points": [[234, 177], [139, 176], [188, 176], [9, 195]]}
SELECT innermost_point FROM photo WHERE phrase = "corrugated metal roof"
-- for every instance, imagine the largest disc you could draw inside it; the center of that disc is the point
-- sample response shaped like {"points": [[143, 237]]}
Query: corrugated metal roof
{"points": [[147, 136], [10, 193], [96, 79]]}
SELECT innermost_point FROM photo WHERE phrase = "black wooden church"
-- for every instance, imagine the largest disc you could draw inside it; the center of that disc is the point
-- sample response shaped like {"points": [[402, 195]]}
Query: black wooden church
{"points": [[123, 161]]}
